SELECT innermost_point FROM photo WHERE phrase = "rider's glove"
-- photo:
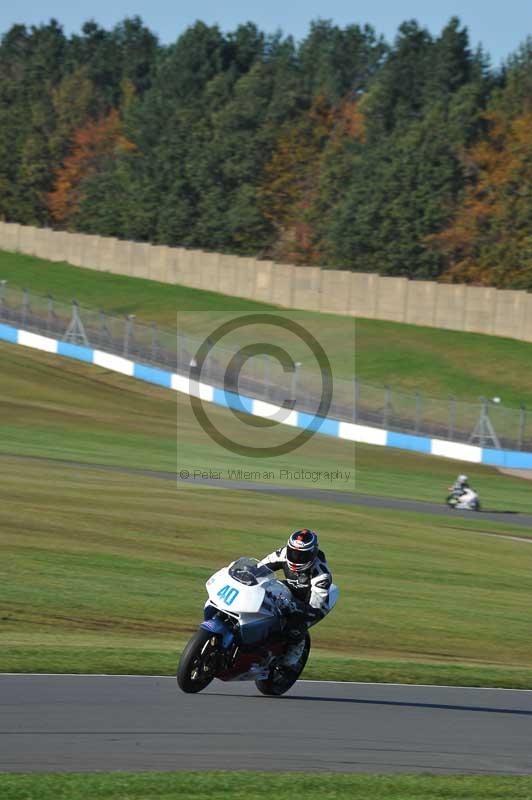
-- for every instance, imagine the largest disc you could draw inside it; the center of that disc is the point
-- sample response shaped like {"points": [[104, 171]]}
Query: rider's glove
{"points": [[295, 610], [287, 607]]}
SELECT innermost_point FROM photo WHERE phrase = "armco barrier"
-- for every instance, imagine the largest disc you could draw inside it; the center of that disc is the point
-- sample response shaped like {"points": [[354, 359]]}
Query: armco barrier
{"points": [[329, 427]]}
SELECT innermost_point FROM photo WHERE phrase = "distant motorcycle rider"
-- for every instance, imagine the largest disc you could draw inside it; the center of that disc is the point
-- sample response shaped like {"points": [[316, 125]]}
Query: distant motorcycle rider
{"points": [[460, 486], [308, 577]]}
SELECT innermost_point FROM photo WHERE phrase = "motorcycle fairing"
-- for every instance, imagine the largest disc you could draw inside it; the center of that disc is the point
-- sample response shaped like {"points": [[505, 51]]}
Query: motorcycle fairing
{"points": [[219, 628]]}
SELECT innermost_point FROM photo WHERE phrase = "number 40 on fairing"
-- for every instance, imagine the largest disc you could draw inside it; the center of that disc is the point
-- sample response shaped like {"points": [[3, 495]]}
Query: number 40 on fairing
{"points": [[228, 594]]}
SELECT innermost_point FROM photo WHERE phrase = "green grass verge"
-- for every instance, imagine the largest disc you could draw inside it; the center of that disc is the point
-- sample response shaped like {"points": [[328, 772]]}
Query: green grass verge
{"points": [[112, 659], [438, 363], [200, 312], [221, 785], [115, 294], [103, 572], [58, 408], [390, 472]]}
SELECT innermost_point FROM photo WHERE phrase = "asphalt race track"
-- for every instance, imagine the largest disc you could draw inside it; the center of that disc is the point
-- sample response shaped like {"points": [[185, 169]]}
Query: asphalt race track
{"points": [[87, 723]]}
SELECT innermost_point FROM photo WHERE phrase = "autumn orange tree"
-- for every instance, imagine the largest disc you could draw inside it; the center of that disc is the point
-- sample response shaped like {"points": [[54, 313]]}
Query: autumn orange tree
{"points": [[489, 240], [94, 145], [291, 178]]}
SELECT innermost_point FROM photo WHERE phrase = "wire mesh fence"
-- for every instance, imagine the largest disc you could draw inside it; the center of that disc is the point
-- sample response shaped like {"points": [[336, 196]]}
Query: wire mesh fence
{"points": [[485, 423]]}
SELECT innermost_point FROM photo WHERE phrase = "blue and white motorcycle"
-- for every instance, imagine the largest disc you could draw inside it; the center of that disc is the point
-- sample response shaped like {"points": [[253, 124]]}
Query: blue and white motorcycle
{"points": [[244, 635], [463, 500]]}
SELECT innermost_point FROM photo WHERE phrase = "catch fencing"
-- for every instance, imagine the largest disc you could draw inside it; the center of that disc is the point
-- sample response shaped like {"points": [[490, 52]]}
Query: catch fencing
{"points": [[486, 423]]}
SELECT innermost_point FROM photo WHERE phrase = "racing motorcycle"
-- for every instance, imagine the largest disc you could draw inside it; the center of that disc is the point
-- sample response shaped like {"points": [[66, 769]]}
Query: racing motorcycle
{"points": [[244, 635], [467, 500]]}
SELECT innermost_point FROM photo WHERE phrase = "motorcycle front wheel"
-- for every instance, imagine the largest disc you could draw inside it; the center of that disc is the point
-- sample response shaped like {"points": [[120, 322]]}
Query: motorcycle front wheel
{"points": [[197, 665], [282, 679]]}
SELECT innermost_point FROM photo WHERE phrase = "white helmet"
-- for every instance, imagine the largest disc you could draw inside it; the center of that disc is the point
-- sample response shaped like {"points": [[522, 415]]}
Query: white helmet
{"points": [[462, 479]]}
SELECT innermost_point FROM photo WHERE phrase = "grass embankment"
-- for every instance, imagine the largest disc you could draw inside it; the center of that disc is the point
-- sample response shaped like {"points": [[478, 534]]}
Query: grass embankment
{"points": [[221, 785], [200, 311], [57, 408], [119, 295], [439, 363], [435, 362], [389, 472], [104, 571]]}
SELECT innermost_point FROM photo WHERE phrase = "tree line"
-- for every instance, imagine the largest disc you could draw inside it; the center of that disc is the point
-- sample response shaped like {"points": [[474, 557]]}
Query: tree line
{"points": [[412, 158]]}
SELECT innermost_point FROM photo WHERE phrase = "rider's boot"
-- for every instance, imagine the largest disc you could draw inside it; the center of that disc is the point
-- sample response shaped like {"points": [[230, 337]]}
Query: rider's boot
{"points": [[293, 654]]}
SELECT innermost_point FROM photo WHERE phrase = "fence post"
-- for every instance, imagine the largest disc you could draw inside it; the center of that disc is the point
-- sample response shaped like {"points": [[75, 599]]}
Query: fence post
{"points": [[128, 334], [75, 331], [452, 417], [49, 313], [484, 430], [418, 412], [154, 341], [522, 426], [101, 319], [266, 374], [356, 398], [2, 298], [387, 407], [25, 305], [297, 364], [182, 350]]}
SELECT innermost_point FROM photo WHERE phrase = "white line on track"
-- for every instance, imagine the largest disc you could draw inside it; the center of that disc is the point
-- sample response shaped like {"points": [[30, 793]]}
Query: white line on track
{"points": [[502, 536], [337, 683]]}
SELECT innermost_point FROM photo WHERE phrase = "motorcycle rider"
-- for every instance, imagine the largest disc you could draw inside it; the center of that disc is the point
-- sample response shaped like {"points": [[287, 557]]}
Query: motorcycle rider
{"points": [[308, 577], [460, 486], [466, 496]]}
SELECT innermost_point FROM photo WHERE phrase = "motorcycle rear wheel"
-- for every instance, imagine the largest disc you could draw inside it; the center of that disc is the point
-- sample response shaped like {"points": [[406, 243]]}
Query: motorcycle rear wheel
{"points": [[196, 667], [280, 681]]}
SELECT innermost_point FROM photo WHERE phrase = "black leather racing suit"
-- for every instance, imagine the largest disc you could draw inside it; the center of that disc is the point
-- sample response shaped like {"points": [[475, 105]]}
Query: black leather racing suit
{"points": [[459, 488], [310, 589]]}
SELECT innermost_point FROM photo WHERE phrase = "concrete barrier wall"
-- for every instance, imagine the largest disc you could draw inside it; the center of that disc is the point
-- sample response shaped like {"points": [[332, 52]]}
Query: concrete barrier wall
{"points": [[245, 277], [336, 287], [263, 281], [283, 285], [9, 236], [421, 303], [392, 299], [26, 239], [527, 321], [307, 288], [454, 307], [510, 313], [364, 294], [479, 309]]}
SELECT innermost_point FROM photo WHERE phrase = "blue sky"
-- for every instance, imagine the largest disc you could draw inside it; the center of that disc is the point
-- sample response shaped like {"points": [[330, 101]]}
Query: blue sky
{"points": [[500, 27]]}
